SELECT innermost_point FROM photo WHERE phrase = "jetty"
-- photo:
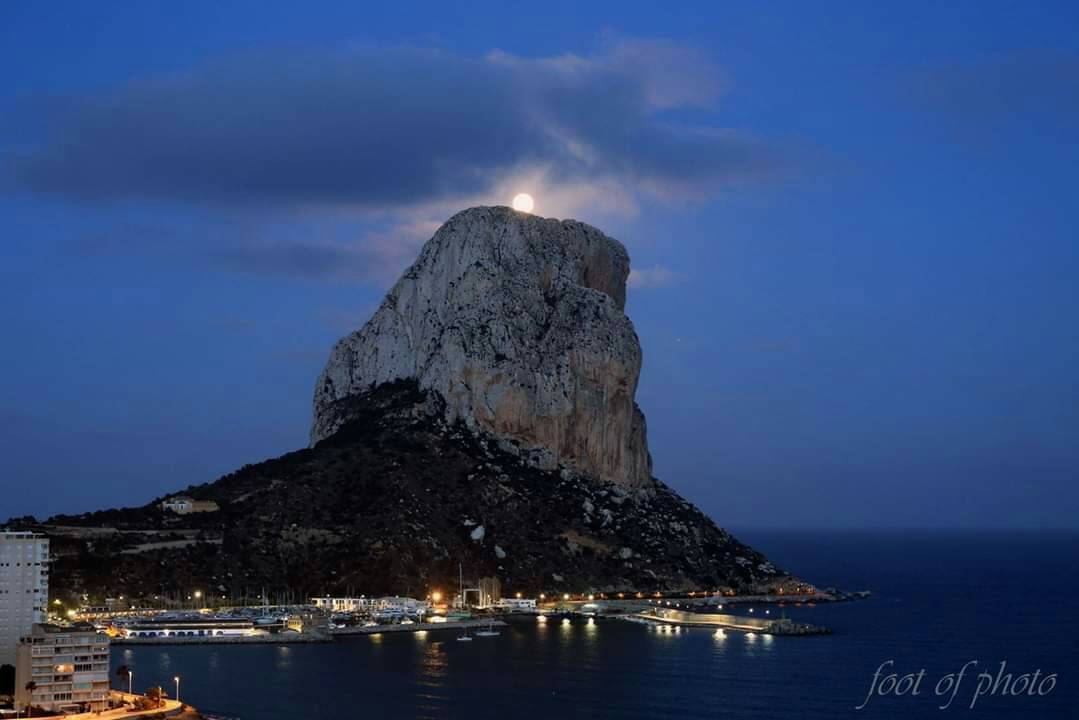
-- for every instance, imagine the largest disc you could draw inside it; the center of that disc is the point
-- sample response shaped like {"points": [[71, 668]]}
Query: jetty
{"points": [[727, 621]]}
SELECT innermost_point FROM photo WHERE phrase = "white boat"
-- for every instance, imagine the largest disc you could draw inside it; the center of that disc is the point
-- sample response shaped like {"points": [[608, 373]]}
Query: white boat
{"points": [[489, 632], [461, 579]]}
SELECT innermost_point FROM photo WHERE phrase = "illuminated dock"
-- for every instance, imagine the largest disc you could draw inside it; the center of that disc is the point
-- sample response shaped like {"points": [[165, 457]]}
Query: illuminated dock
{"points": [[726, 621]]}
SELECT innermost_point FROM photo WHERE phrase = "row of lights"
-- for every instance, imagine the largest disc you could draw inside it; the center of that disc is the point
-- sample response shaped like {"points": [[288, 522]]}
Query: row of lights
{"points": [[131, 680]]}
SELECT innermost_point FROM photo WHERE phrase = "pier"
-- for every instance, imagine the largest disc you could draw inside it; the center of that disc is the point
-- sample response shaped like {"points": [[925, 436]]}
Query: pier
{"points": [[725, 621]]}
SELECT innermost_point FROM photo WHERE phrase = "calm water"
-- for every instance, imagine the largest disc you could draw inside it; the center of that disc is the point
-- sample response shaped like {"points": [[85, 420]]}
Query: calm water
{"points": [[940, 600]]}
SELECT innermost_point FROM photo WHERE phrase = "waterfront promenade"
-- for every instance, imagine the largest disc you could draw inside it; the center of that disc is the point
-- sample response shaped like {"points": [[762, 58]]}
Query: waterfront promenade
{"points": [[308, 636], [169, 708]]}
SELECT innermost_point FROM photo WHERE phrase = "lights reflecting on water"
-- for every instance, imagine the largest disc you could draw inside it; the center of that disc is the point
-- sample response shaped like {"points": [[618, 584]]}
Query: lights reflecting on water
{"points": [[284, 659], [430, 675]]}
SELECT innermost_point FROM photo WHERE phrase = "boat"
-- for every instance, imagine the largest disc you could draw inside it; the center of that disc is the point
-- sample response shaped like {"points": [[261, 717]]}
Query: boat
{"points": [[489, 632], [461, 576]]}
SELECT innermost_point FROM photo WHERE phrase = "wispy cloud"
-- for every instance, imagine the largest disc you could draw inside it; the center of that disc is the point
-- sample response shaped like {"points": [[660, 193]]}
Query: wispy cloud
{"points": [[656, 276]]}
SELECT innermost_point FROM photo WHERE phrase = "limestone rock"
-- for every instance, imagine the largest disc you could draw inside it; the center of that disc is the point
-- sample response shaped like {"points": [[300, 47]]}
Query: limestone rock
{"points": [[517, 323]]}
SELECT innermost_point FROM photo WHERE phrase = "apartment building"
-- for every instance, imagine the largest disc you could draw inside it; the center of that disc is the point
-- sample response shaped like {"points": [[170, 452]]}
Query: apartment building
{"points": [[69, 668], [24, 588]]}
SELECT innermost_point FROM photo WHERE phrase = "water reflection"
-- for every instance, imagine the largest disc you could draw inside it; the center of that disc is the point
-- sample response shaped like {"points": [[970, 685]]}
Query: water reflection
{"points": [[284, 657], [434, 663], [164, 662], [431, 684]]}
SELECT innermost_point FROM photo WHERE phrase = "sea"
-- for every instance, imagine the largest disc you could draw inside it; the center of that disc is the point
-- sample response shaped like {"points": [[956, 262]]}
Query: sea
{"points": [[959, 625]]}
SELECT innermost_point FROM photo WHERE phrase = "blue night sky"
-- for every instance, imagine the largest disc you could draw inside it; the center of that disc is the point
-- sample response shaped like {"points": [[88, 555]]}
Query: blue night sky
{"points": [[853, 228]]}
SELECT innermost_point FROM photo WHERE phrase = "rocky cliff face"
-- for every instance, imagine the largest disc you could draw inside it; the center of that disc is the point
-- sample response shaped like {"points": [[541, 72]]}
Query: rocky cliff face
{"points": [[517, 323]]}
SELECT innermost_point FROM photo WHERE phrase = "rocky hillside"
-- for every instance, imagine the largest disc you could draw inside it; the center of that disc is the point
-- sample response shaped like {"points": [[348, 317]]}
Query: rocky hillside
{"points": [[485, 415], [391, 503]]}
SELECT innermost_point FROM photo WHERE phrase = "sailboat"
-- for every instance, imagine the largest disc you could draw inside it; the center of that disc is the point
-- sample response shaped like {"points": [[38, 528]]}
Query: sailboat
{"points": [[461, 579], [489, 632]]}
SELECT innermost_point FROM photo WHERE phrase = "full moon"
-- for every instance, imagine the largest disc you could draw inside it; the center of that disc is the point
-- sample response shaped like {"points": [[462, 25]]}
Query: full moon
{"points": [[522, 202]]}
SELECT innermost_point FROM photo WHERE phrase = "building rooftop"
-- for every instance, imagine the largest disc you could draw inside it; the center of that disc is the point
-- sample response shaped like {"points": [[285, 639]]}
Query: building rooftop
{"points": [[53, 629], [20, 534]]}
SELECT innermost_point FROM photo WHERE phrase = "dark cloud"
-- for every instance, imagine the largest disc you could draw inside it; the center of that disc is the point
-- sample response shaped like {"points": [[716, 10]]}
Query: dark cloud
{"points": [[379, 128], [306, 251]]}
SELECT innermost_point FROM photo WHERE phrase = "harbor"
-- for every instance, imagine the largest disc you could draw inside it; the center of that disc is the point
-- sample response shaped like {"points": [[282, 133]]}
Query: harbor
{"points": [[322, 619]]}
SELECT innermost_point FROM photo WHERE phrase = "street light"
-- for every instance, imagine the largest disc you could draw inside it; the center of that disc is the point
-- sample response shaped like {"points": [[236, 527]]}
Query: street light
{"points": [[177, 679]]}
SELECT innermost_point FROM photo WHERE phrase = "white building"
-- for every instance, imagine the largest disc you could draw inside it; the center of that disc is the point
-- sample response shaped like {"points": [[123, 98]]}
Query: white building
{"points": [[182, 505], [197, 627], [373, 606], [24, 588], [69, 667], [517, 604]]}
